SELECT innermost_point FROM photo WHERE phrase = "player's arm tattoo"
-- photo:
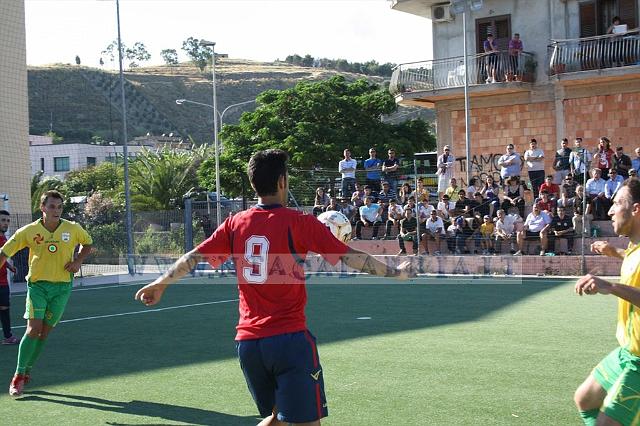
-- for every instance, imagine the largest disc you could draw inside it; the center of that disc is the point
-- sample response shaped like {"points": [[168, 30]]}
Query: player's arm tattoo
{"points": [[184, 265]]}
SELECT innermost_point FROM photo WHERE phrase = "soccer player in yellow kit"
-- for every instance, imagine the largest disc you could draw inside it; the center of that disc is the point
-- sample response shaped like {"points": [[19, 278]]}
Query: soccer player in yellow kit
{"points": [[611, 393], [52, 242]]}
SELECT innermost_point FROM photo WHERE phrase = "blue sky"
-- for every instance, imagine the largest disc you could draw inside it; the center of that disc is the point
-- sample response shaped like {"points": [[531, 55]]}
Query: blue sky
{"points": [[264, 30]]}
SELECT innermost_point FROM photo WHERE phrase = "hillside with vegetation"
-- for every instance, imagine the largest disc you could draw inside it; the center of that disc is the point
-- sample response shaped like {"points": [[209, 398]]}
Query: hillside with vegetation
{"points": [[82, 103]]}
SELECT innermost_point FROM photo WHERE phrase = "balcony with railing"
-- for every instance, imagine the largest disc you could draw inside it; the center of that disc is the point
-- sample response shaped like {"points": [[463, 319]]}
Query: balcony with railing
{"points": [[444, 78], [612, 56]]}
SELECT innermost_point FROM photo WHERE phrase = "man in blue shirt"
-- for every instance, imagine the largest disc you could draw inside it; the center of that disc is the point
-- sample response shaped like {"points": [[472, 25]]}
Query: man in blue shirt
{"points": [[373, 166], [635, 163]]}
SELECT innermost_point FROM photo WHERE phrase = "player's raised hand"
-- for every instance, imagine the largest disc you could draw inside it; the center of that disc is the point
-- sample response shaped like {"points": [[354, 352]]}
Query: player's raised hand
{"points": [[150, 294], [590, 284]]}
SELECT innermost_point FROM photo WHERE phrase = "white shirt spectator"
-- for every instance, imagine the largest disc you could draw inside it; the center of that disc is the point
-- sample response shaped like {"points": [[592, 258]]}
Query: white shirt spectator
{"points": [[508, 224], [534, 165], [536, 223], [347, 164], [445, 170], [444, 207], [370, 213], [513, 166], [424, 212], [576, 159], [395, 211], [435, 225]]}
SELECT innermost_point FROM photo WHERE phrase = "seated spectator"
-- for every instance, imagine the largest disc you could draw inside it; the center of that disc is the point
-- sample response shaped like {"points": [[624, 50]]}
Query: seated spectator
{"points": [[420, 194], [408, 232], [612, 185], [545, 203], [395, 213], [476, 186], [535, 226], [424, 212], [320, 202], [457, 237], [482, 207], [404, 193], [349, 210], [505, 230], [486, 235], [385, 195], [471, 235], [569, 184], [635, 163], [461, 203], [452, 191], [552, 189], [368, 192], [333, 205], [633, 173], [562, 227], [434, 231], [565, 201], [357, 197], [370, 215], [445, 209], [582, 216], [513, 196], [491, 191], [595, 195]]}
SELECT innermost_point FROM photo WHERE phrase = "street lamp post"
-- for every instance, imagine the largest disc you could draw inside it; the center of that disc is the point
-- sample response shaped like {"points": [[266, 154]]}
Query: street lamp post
{"points": [[461, 7]]}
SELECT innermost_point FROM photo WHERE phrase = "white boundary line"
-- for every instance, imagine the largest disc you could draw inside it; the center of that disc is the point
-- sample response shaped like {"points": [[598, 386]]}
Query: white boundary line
{"points": [[146, 311]]}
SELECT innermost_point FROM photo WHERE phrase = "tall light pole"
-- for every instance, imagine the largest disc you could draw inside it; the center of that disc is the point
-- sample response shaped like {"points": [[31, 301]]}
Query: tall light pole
{"points": [[461, 7], [212, 44]]}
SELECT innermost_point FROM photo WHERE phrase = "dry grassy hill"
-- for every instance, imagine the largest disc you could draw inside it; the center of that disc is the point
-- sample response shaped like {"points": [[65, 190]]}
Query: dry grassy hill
{"points": [[80, 102]]}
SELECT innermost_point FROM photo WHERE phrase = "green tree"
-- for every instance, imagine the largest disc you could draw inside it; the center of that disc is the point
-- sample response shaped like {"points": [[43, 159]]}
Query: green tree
{"points": [[111, 51], [314, 122], [106, 177], [40, 185], [169, 56], [200, 55], [138, 53]]}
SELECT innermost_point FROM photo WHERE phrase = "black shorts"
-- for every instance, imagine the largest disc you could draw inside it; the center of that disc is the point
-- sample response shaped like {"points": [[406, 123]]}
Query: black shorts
{"points": [[5, 295], [532, 235]]}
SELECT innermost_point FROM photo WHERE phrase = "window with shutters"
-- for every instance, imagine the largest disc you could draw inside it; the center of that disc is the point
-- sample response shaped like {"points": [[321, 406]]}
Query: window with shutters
{"points": [[499, 26], [597, 15]]}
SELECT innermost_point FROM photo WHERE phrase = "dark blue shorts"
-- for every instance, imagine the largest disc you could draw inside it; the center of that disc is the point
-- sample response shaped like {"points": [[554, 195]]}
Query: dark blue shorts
{"points": [[284, 371], [5, 295]]}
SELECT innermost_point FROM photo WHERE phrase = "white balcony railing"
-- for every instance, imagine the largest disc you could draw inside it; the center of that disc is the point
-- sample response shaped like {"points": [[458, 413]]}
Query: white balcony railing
{"points": [[449, 73], [594, 53]]}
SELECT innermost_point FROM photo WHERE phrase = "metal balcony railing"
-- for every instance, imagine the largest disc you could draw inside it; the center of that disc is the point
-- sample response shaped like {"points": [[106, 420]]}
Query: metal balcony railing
{"points": [[594, 53], [449, 73]]}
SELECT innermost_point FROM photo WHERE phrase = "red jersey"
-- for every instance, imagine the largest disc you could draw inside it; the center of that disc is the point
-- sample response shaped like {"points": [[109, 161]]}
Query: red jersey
{"points": [[3, 269], [268, 245]]}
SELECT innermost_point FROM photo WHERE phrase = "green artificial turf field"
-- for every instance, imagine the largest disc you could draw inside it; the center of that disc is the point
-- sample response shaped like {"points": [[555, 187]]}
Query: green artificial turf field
{"points": [[433, 352]]}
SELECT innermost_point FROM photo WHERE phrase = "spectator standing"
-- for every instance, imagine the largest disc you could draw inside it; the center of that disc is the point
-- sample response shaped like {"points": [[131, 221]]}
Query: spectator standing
{"points": [[561, 162], [408, 232], [562, 227], [635, 163], [534, 158], [373, 166], [510, 164], [320, 202], [391, 171], [602, 157], [347, 167], [491, 58], [515, 49], [579, 161], [621, 162], [535, 226], [395, 213], [445, 169], [370, 215]]}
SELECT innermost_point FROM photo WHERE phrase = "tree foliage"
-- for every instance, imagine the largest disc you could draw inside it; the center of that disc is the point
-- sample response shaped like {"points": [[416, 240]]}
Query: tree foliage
{"points": [[367, 68], [314, 122], [136, 54], [169, 56], [200, 55]]}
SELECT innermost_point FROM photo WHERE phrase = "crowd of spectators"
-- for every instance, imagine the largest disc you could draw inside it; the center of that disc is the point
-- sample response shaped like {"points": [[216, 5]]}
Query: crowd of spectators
{"points": [[488, 213]]}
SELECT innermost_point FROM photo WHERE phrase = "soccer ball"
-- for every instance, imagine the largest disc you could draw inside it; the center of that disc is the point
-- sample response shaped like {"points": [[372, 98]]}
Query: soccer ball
{"points": [[337, 223]]}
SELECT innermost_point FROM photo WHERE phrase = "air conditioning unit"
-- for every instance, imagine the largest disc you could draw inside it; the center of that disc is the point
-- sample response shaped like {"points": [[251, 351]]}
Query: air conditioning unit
{"points": [[441, 13]]}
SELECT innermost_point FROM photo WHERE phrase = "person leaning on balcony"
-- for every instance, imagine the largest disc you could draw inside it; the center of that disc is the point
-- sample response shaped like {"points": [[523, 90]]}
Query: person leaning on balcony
{"points": [[515, 49], [510, 164], [534, 158], [491, 49], [561, 161], [445, 169]]}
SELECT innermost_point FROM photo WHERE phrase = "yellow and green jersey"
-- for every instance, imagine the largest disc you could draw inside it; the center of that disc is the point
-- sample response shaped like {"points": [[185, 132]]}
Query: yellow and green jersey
{"points": [[49, 251], [628, 330]]}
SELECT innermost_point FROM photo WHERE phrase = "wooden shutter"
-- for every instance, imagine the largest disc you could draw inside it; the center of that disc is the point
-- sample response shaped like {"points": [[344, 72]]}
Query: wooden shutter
{"points": [[628, 13], [588, 27]]}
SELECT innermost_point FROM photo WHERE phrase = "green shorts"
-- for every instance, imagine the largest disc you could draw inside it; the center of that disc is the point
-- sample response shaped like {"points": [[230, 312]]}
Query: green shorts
{"points": [[46, 301], [619, 374]]}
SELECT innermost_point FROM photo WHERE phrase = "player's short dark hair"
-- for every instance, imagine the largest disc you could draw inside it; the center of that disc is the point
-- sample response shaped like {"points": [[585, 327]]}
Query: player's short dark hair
{"points": [[50, 194], [4, 213], [634, 189], [265, 168]]}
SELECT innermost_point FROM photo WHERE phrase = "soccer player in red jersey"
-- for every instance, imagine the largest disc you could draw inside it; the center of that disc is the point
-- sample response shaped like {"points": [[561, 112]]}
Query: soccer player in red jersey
{"points": [[269, 244], [5, 317]]}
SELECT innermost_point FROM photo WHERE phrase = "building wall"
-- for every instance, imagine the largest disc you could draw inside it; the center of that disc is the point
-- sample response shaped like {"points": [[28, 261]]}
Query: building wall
{"points": [[14, 119]]}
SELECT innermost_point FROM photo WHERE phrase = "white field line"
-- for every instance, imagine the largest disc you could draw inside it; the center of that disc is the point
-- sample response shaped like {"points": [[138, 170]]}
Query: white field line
{"points": [[146, 311]]}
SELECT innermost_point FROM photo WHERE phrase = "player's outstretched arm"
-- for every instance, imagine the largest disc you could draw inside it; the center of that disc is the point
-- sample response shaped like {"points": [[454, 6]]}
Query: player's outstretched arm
{"points": [[152, 293], [364, 262], [606, 249], [590, 284]]}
